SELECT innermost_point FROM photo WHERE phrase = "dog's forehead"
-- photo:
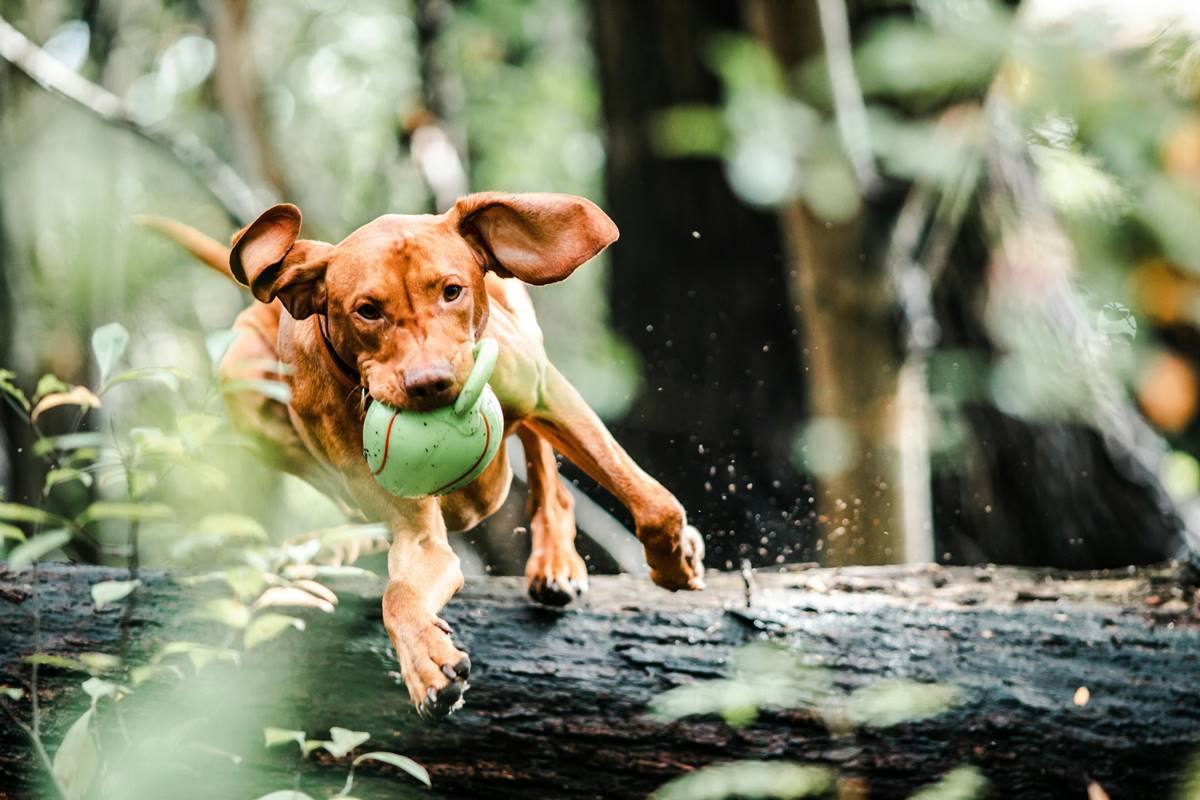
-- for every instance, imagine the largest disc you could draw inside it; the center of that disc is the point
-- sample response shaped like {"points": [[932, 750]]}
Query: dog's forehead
{"points": [[401, 237]]}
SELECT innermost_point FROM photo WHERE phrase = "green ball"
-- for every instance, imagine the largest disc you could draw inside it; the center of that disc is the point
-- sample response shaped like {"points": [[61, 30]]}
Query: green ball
{"points": [[419, 454]]}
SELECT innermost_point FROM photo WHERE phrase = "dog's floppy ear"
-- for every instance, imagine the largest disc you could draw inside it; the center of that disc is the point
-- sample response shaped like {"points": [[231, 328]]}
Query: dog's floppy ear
{"points": [[539, 238], [268, 258]]}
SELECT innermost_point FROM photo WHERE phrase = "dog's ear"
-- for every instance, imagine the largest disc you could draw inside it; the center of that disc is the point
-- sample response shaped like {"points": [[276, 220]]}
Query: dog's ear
{"points": [[539, 238], [268, 258]]}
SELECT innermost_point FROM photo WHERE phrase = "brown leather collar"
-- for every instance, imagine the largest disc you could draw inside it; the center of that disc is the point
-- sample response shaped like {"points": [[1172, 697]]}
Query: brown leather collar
{"points": [[345, 374]]}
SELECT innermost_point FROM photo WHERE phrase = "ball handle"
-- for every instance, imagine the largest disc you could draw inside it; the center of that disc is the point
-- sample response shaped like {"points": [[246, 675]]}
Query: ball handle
{"points": [[486, 351]]}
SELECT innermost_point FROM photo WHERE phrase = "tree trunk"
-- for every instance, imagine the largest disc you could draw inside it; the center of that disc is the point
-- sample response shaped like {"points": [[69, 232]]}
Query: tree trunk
{"points": [[699, 290], [558, 701], [843, 291]]}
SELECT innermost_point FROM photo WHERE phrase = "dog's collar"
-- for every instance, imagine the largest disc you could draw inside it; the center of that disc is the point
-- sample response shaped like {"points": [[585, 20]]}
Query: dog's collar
{"points": [[345, 374]]}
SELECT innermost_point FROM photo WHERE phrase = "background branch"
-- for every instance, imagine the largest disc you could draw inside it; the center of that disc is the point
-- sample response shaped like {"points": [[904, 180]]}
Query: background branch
{"points": [[239, 201]]}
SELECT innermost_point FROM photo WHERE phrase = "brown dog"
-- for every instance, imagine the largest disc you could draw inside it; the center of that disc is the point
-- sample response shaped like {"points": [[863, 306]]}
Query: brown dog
{"points": [[395, 309]]}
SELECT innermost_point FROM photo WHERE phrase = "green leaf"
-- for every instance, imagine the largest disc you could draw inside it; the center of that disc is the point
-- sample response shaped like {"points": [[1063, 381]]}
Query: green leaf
{"points": [[767, 677], [245, 581], [689, 131], [344, 534], [914, 62], [196, 429], [312, 744], [401, 762], [215, 530], [107, 592], [275, 390], [217, 343], [49, 384], [60, 662], [199, 654], [265, 627], [345, 740], [17, 512], [65, 475], [12, 692], [276, 736], [98, 687], [135, 512], [109, 343], [226, 611], [11, 532], [891, 702], [12, 390], [139, 675], [99, 662], [71, 441], [961, 783], [26, 553], [76, 761], [771, 779], [236, 526], [167, 376]]}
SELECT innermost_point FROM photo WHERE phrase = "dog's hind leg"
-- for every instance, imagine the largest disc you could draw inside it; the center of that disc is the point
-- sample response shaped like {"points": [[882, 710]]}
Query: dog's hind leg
{"points": [[555, 573], [251, 362]]}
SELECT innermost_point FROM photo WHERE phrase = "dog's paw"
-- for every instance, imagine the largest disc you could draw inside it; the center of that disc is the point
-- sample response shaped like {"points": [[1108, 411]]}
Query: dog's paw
{"points": [[434, 670], [681, 567], [556, 578]]}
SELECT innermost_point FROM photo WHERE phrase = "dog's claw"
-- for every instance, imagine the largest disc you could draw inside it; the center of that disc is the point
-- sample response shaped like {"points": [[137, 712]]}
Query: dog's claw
{"points": [[553, 593], [463, 667], [442, 703], [443, 626], [445, 701]]}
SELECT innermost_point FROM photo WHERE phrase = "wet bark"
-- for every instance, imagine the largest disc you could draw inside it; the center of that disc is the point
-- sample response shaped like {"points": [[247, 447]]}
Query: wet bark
{"points": [[557, 705]]}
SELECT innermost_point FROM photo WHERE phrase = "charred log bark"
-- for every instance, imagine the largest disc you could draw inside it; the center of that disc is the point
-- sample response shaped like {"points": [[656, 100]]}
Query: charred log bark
{"points": [[558, 701]]}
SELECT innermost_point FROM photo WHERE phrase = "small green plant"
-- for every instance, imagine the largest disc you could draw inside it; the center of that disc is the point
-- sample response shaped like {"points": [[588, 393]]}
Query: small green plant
{"points": [[135, 730], [341, 743], [770, 678]]}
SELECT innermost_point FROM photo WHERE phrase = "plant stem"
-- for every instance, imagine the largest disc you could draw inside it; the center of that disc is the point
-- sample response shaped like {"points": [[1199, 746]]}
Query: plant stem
{"points": [[38, 747]]}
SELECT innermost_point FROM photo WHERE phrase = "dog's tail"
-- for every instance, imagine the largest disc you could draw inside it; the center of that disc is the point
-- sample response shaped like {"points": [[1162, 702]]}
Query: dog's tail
{"points": [[202, 246]]}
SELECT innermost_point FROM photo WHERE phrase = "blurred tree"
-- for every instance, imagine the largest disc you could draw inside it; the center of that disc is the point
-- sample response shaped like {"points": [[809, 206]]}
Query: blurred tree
{"points": [[1073, 482], [698, 288], [854, 350], [906, 190], [236, 89]]}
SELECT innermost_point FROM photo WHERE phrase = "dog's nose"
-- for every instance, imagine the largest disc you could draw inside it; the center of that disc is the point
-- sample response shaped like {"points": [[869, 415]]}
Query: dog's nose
{"points": [[429, 386]]}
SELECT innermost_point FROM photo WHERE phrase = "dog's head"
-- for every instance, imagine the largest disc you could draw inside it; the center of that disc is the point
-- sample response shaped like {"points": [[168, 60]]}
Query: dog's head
{"points": [[404, 296]]}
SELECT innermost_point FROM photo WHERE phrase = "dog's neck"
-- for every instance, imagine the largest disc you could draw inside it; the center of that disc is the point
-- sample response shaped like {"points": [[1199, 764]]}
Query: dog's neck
{"points": [[344, 373]]}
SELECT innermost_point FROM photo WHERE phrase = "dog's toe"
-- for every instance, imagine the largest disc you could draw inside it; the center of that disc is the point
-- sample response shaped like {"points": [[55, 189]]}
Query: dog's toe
{"points": [[554, 593], [459, 671], [445, 701]]}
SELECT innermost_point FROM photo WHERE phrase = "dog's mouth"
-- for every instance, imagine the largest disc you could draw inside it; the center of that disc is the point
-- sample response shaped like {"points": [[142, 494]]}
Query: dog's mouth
{"points": [[404, 402]]}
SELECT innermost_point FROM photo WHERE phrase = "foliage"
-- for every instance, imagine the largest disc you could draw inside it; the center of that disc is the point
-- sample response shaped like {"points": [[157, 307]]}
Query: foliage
{"points": [[256, 590], [771, 678]]}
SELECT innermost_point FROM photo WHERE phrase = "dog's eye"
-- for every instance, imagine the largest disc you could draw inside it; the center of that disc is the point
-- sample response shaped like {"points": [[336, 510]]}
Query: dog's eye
{"points": [[451, 293], [368, 311]]}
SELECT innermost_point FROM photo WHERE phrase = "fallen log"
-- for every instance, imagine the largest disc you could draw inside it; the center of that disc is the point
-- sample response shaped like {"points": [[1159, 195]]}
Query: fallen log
{"points": [[558, 701]]}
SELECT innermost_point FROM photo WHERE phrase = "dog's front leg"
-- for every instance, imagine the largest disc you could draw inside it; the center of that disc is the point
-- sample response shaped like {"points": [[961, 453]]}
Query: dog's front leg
{"points": [[423, 574], [674, 550]]}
